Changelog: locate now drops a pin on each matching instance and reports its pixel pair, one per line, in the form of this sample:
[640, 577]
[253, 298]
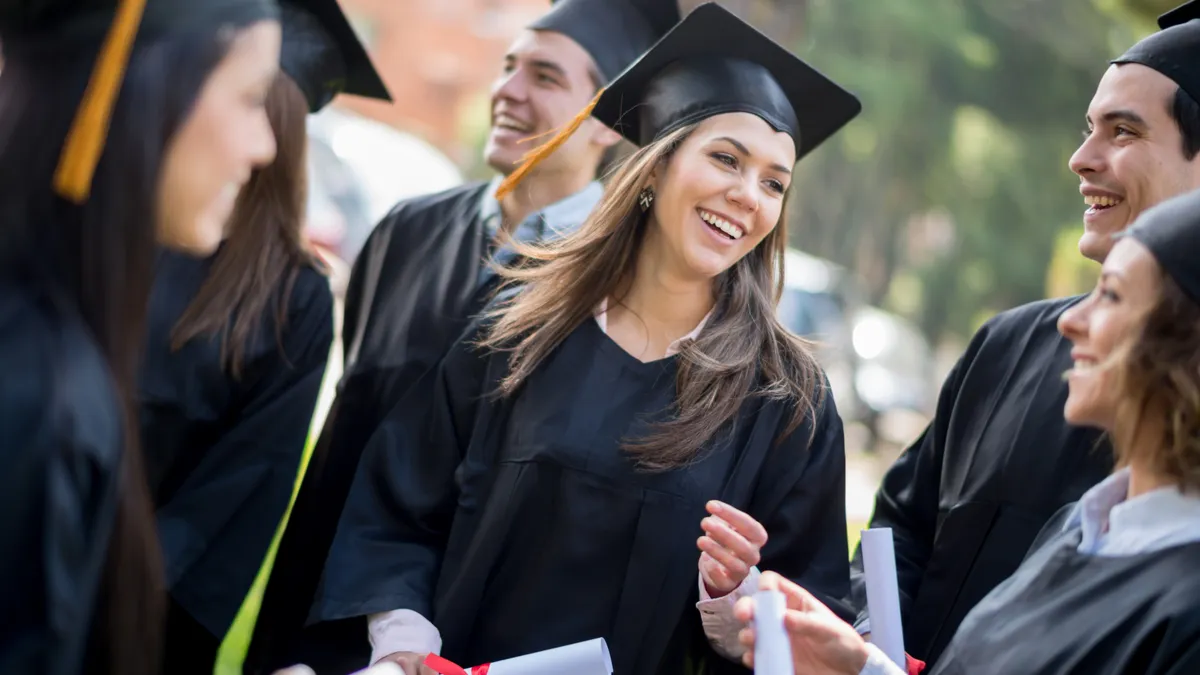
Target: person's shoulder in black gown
[62, 434]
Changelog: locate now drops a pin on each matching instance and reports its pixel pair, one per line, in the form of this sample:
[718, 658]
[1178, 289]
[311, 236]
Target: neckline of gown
[604, 342]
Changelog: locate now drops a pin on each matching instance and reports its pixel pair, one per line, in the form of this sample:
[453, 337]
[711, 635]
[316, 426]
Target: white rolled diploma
[772, 649]
[581, 658]
[883, 593]
[385, 668]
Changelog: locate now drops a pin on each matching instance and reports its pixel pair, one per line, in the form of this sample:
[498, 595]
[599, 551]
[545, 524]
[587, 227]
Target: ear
[602, 136]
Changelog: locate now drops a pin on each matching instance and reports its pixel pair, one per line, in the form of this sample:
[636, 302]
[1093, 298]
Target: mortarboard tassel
[85, 140]
[535, 156]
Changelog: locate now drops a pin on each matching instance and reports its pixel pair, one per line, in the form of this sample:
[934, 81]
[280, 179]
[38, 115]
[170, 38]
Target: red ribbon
[448, 667]
[914, 666]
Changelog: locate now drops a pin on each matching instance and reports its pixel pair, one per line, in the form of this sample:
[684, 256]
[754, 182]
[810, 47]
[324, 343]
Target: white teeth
[723, 225]
[1101, 202]
[1084, 364]
[506, 122]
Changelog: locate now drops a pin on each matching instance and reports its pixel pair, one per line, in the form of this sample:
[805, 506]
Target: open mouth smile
[731, 230]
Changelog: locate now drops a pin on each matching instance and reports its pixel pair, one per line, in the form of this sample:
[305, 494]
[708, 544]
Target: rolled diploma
[772, 649]
[883, 594]
[385, 668]
[581, 658]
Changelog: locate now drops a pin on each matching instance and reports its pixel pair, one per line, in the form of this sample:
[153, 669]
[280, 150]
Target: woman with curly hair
[1112, 587]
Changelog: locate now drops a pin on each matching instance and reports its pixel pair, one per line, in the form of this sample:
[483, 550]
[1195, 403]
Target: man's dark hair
[1186, 112]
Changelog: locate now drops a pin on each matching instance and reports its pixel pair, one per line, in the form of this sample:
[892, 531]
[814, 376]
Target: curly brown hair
[1160, 375]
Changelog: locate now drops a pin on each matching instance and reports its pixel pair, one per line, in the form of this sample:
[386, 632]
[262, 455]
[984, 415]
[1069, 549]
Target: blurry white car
[895, 363]
[819, 297]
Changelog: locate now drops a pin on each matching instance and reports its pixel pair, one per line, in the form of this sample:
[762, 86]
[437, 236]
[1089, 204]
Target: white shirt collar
[1113, 525]
[601, 315]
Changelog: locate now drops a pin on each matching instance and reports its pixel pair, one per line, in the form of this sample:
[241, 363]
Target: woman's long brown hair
[743, 350]
[265, 249]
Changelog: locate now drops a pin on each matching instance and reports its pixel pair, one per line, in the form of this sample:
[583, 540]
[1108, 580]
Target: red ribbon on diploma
[915, 666]
[448, 667]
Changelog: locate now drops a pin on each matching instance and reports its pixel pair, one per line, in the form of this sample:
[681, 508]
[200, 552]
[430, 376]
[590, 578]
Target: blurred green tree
[949, 194]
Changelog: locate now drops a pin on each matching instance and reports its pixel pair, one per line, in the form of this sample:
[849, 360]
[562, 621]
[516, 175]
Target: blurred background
[948, 200]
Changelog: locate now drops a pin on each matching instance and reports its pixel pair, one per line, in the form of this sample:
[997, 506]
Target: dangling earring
[646, 198]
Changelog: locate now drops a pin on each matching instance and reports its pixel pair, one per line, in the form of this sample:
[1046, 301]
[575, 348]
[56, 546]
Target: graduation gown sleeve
[58, 491]
[800, 498]
[804, 509]
[402, 314]
[391, 538]
[1179, 651]
[908, 499]
[216, 527]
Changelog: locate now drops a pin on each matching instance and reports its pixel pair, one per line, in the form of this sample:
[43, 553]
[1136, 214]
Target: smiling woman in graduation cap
[236, 349]
[638, 383]
[109, 112]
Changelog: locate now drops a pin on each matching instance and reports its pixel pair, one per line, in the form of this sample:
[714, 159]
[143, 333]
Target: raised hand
[731, 545]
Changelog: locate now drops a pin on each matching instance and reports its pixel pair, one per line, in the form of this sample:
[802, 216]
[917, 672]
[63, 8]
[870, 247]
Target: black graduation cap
[1173, 51]
[113, 25]
[714, 63]
[323, 55]
[614, 32]
[1181, 14]
[1171, 230]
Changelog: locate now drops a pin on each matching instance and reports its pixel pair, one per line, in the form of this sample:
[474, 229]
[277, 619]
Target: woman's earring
[646, 198]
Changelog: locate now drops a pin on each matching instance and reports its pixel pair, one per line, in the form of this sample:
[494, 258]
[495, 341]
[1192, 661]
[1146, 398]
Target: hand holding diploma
[821, 643]
[410, 662]
[731, 545]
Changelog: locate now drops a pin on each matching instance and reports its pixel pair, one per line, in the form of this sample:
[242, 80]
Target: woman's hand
[730, 546]
[822, 644]
[410, 662]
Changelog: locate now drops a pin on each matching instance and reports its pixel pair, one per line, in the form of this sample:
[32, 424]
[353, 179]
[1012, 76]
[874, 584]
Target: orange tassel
[85, 140]
[535, 156]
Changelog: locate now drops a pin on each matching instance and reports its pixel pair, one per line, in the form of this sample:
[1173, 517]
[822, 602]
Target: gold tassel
[85, 140]
[535, 156]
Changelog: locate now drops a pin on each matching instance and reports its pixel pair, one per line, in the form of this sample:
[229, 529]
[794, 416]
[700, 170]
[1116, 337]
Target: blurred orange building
[438, 58]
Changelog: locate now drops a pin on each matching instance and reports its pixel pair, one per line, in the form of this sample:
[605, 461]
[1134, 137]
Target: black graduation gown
[517, 525]
[967, 499]
[62, 435]
[1066, 613]
[222, 454]
[411, 293]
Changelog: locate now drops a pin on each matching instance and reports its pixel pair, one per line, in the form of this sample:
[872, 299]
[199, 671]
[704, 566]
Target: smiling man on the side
[966, 500]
